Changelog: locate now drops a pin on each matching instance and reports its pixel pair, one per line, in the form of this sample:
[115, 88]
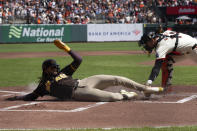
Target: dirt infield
[176, 108]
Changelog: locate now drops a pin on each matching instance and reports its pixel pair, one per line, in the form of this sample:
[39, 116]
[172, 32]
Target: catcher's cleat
[128, 95]
[167, 89]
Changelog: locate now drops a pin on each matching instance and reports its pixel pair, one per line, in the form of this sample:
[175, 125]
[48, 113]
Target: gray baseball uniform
[92, 88]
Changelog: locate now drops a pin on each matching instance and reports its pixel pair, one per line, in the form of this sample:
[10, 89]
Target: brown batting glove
[62, 45]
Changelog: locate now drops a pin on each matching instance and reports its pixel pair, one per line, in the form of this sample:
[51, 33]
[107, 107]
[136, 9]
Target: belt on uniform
[74, 88]
[194, 46]
[76, 85]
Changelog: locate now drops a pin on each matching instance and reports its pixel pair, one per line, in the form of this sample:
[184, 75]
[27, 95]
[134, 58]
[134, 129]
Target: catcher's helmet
[50, 63]
[144, 39]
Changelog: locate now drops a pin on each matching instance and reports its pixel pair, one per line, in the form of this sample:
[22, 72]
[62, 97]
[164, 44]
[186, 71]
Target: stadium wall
[42, 33]
[24, 33]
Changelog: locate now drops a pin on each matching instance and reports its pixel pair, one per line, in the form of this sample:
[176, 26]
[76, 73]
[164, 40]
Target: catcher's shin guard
[167, 71]
[165, 74]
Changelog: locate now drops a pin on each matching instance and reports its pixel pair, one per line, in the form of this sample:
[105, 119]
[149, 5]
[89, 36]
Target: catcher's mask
[146, 38]
[50, 63]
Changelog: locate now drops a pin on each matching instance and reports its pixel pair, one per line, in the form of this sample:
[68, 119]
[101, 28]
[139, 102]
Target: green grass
[109, 46]
[26, 70]
[23, 71]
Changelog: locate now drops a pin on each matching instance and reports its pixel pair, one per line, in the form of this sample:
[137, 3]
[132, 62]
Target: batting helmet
[50, 63]
[144, 39]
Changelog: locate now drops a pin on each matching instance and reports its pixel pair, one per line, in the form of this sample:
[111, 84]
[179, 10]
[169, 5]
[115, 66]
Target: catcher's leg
[167, 69]
[193, 54]
[165, 73]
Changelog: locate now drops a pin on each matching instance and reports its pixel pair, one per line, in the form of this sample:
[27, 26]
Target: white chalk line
[187, 99]
[184, 100]
[12, 92]
[11, 108]
[33, 103]
[7, 95]
[22, 105]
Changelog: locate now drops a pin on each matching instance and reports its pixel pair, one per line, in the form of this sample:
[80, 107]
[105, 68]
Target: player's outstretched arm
[77, 59]
[61, 45]
[28, 97]
[155, 71]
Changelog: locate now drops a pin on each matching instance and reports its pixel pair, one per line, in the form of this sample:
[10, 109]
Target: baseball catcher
[60, 84]
[170, 47]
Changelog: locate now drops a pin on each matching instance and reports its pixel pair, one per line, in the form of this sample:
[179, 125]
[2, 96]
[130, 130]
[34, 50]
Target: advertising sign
[114, 32]
[33, 33]
[182, 10]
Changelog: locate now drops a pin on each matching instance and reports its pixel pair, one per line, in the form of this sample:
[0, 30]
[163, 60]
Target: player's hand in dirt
[15, 98]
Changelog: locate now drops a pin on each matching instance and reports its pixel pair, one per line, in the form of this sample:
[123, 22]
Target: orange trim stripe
[72, 67]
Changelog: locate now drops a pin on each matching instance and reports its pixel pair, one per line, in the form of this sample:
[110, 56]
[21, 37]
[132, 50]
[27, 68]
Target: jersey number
[61, 76]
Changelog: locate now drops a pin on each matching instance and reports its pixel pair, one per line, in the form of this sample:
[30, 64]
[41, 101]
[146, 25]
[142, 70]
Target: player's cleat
[128, 95]
[152, 90]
